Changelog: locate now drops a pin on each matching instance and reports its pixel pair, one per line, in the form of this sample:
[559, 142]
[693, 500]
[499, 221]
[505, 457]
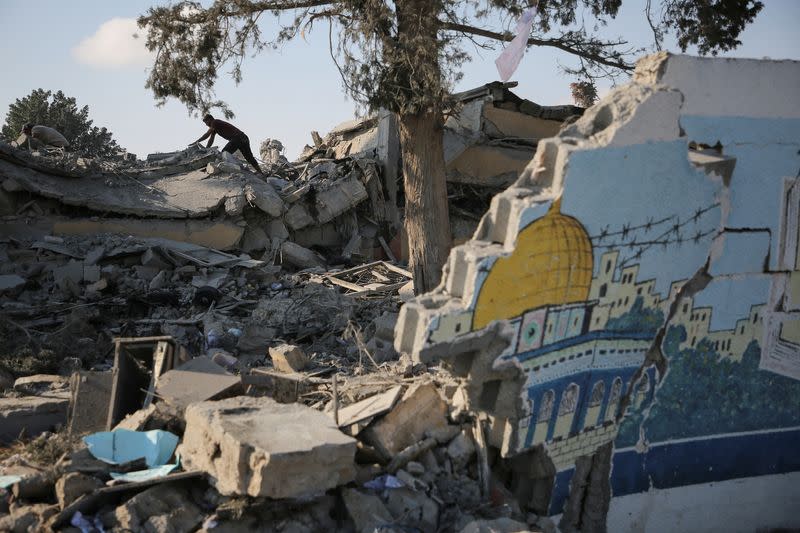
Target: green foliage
[61, 112]
[637, 319]
[711, 25]
[705, 394]
[406, 55]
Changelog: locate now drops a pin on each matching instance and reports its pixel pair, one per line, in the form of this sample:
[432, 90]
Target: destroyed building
[613, 346]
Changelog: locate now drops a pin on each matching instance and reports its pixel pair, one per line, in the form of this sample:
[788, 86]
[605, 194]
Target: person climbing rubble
[237, 140]
[40, 137]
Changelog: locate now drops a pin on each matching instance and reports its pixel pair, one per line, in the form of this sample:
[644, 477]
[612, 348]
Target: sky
[86, 49]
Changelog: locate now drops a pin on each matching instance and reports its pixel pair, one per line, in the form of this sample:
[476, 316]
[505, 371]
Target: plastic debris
[386, 481]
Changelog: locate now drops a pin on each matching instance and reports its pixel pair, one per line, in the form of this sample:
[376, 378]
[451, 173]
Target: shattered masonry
[246, 323]
[631, 291]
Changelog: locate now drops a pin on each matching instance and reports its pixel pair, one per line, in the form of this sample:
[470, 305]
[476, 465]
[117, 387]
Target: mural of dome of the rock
[648, 288]
[551, 264]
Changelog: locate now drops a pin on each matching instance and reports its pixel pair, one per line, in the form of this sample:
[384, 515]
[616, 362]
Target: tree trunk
[417, 74]
[426, 219]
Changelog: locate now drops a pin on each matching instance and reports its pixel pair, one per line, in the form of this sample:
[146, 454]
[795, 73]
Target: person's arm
[211, 133]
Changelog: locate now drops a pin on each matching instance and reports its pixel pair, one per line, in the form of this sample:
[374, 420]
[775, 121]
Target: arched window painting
[546, 409]
[598, 392]
[595, 401]
[569, 400]
[613, 399]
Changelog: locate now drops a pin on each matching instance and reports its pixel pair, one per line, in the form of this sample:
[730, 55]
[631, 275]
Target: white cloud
[113, 45]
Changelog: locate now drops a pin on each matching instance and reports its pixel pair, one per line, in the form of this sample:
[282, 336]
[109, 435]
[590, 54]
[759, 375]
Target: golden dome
[551, 265]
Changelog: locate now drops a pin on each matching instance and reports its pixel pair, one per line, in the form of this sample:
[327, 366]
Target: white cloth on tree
[509, 60]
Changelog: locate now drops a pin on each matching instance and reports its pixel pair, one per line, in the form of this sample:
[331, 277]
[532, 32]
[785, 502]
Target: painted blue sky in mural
[669, 230]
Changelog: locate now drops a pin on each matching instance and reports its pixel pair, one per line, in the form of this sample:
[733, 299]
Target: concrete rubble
[253, 318]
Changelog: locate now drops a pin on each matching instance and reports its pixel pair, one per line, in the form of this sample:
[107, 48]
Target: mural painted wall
[648, 267]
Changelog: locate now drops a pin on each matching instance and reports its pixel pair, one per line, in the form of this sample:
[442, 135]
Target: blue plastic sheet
[123, 445]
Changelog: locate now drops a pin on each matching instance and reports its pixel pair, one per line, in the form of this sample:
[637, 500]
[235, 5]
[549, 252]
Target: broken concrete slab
[32, 415]
[190, 195]
[413, 508]
[366, 510]
[218, 234]
[295, 255]
[255, 239]
[258, 447]
[298, 217]
[341, 196]
[264, 196]
[288, 358]
[73, 485]
[39, 382]
[421, 409]
[194, 381]
[160, 508]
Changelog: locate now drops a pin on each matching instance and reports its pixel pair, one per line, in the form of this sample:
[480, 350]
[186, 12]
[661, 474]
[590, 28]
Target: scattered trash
[386, 481]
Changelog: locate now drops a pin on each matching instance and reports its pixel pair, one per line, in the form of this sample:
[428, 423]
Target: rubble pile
[189, 346]
[392, 450]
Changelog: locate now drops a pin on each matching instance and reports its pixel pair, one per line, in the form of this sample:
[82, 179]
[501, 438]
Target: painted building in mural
[630, 246]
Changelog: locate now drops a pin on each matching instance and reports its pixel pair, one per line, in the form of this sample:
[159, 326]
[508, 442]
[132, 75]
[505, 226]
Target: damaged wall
[647, 288]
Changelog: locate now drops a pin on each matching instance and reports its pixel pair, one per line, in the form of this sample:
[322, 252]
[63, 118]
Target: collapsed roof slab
[190, 195]
[217, 234]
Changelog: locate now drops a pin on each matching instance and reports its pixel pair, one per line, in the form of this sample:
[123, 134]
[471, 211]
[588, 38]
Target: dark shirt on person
[226, 130]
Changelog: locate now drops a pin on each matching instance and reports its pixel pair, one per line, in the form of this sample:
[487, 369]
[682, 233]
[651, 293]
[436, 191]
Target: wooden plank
[386, 249]
[380, 276]
[346, 284]
[372, 406]
[395, 268]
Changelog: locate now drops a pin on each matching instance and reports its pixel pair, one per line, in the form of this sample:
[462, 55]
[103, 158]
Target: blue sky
[284, 94]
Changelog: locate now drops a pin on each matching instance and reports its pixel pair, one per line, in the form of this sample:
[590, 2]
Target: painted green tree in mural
[704, 393]
[638, 319]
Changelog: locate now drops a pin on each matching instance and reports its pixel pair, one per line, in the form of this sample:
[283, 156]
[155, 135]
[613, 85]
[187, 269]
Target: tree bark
[418, 76]
[426, 218]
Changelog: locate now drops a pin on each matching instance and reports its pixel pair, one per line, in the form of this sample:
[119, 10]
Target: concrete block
[160, 508]
[265, 197]
[234, 205]
[298, 217]
[255, 239]
[414, 509]
[288, 358]
[258, 447]
[38, 383]
[295, 255]
[194, 381]
[461, 449]
[74, 485]
[342, 196]
[366, 510]
[89, 400]
[420, 409]
[31, 415]
[276, 231]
